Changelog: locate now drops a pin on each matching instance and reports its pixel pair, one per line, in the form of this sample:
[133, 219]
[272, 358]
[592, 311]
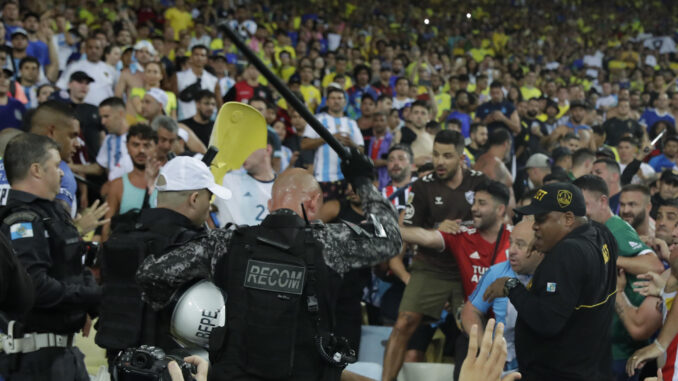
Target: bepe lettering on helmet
[199, 310]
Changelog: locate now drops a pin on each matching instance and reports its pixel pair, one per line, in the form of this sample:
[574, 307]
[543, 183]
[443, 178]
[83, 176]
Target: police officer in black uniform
[16, 288]
[565, 313]
[126, 321]
[39, 345]
[278, 277]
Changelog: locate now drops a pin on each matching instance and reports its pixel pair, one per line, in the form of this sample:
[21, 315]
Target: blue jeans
[619, 370]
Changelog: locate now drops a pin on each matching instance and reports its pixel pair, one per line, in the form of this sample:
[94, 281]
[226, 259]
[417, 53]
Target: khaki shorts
[429, 289]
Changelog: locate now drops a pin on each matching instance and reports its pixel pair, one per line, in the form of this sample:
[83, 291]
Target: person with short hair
[522, 262]
[201, 123]
[130, 190]
[326, 165]
[193, 79]
[29, 80]
[11, 110]
[415, 134]
[564, 316]
[478, 139]
[666, 159]
[439, 199]
[634, 258]
[609, 170]
[103, 75]
[498, 112]
[49, 246]
[667, 190]
[635, 207]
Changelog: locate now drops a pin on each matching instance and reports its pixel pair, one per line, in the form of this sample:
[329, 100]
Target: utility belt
[31, 342]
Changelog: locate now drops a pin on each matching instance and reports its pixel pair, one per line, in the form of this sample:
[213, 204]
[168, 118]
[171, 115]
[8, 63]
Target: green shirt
[630, 245]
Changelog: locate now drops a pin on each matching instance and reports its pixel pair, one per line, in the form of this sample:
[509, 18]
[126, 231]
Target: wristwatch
[510, 284]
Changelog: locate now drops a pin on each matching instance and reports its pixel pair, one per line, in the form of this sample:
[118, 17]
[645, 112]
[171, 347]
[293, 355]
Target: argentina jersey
[4, 184]
[249, 203]
[326, 166]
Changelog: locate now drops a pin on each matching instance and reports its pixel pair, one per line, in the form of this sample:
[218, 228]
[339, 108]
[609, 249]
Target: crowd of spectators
[540, 92]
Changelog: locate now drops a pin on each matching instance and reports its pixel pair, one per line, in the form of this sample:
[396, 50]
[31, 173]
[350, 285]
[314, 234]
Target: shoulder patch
[21, 230]
[24, 215]
[355, 228]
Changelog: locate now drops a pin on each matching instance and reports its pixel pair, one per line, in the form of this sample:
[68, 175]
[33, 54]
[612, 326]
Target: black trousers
[48, 364]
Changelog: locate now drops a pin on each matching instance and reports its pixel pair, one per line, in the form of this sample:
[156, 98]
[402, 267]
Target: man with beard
[399, 164]
[474, 249]
[635, 258]
[479, 136]
[462, 112]
[439, 199]
[667, 221]
[129, 191]
[634, 208]
[201, 123]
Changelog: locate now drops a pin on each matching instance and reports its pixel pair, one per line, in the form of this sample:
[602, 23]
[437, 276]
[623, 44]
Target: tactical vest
[125, 320]
[66, 251]
[279, 301]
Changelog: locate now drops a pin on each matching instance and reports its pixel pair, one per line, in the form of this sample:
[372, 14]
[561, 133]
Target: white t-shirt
[103, 75]
[326, 164]
[645, 167]
[248, 204]
[398, 104]
[114, 157]
[186, 78]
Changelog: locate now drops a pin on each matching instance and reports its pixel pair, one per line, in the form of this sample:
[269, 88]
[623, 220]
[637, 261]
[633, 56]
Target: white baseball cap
[188, 173]
[144, 44]
[159, 95]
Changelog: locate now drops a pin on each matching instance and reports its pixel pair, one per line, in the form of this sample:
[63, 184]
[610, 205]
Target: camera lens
[140, 360]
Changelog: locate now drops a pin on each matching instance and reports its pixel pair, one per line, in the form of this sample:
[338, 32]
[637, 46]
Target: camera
[148, 363]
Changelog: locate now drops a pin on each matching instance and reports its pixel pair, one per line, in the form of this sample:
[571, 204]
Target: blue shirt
[650, 117]
[40, 51]
[465, 120]
[4, 184]
[69, 188]
[488, 108]
[661, 162]
[12, 114]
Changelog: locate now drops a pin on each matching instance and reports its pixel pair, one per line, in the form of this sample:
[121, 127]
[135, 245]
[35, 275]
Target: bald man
[521, 264]
[278, 277]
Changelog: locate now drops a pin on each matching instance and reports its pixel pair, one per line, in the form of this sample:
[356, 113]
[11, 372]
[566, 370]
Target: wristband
[661, 348]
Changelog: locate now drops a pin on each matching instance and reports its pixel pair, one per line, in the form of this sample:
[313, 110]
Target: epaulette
[22, 215]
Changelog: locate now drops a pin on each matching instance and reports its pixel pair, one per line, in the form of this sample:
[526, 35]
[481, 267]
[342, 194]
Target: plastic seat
[366, 369]
[418, 371]
[373, 341]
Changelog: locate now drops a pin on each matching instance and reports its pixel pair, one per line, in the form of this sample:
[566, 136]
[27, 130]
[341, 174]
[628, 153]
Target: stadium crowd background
[573, 82]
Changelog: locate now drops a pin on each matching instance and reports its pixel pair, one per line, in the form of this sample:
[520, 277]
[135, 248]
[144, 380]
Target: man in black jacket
[565, 312]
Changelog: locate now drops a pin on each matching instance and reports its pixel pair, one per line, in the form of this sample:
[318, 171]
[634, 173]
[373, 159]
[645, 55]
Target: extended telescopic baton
[291, 99]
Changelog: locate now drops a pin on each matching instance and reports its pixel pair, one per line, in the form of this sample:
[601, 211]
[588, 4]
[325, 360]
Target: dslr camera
[148, 363]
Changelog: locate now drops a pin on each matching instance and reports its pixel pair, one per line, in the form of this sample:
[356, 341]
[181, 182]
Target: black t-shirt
[202, 130]
[434, 202]
[407, 136]
[563, 326]
[90, 127]
[615, 128]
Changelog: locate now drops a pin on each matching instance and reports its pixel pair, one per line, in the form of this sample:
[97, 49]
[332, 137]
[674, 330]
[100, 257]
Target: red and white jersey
[402, 199]
[474, 254]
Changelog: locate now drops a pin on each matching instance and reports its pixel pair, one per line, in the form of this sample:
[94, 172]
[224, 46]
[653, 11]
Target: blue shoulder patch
[21, 230]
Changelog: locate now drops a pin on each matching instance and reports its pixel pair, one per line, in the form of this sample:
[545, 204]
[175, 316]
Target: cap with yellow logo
[556, 197]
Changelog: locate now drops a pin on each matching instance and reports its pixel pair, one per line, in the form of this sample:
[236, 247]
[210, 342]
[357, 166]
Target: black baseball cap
[81, 76]
[556, 197]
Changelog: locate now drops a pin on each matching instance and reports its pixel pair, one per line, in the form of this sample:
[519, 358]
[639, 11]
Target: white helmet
[199, 310]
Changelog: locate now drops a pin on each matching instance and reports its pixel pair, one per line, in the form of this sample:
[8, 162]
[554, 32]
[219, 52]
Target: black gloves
[357, 168]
